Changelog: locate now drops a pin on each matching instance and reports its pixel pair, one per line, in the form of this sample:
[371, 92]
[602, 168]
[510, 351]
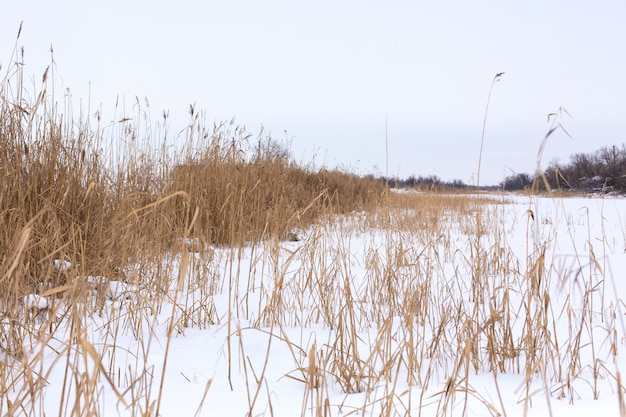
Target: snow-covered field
[509, 309]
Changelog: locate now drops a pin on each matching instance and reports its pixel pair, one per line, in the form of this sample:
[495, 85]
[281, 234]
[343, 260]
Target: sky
[397, 87]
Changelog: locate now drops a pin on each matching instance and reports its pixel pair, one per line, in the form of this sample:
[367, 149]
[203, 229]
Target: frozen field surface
[509, 308]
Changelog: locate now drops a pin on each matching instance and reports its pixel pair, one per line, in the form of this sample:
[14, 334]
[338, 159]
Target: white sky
[331, 72]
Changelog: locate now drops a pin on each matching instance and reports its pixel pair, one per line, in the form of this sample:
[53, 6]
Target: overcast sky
[332, 74]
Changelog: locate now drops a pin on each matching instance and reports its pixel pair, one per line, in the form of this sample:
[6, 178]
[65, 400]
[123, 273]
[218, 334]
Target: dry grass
[112, 243]
[79, 222]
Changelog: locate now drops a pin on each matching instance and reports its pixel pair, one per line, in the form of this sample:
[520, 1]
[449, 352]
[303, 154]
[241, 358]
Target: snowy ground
[355, 319]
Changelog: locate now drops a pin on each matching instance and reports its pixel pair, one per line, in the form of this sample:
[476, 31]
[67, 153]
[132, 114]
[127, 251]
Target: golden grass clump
[77, 194]
[246, 193]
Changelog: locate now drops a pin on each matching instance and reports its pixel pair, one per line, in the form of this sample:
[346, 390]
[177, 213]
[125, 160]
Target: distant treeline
[431, 182]
[601, 171]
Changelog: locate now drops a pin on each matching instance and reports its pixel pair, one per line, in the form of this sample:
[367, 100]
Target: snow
[35, 302]
[251, 326]
[117, 289]
[62, 265]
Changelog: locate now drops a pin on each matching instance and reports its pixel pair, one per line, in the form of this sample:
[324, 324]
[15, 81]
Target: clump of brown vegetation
[65, 197]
